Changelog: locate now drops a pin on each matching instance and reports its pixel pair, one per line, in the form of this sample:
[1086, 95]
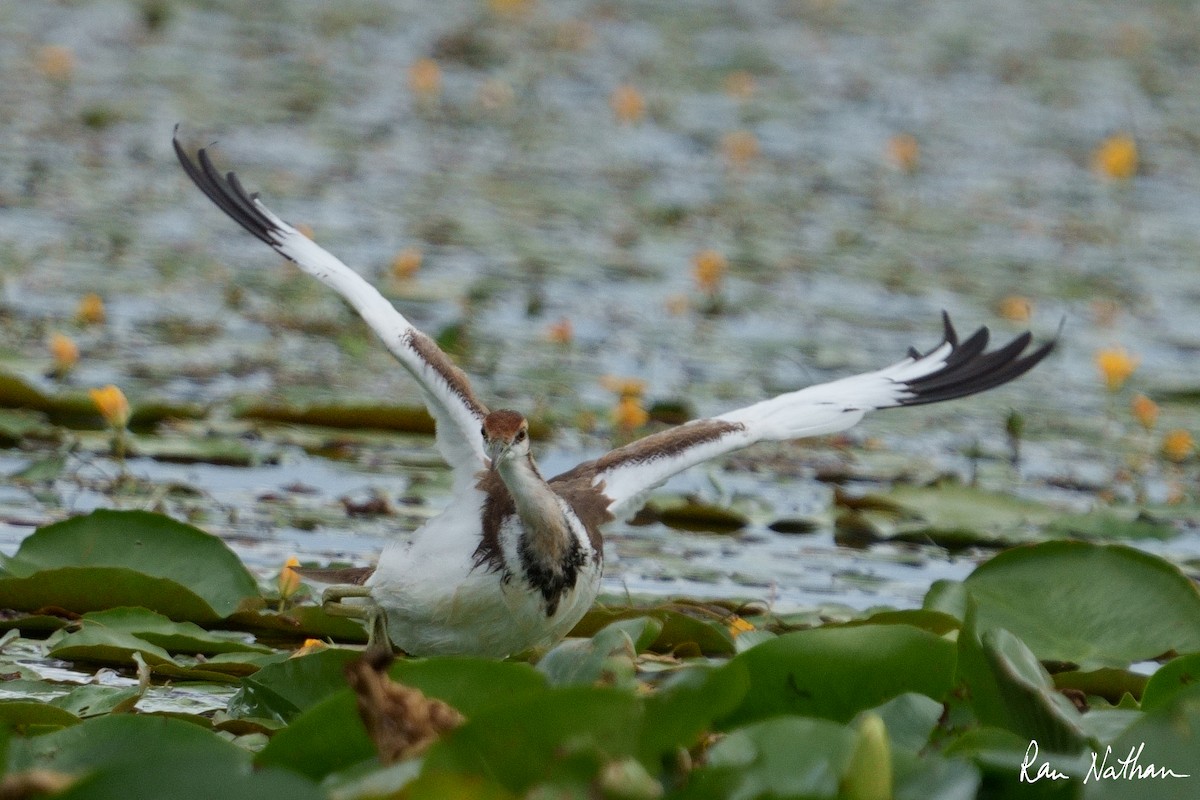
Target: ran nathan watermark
[1103, 768]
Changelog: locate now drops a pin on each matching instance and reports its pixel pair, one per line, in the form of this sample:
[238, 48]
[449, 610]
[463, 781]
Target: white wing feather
[947, 371]
[448, 396]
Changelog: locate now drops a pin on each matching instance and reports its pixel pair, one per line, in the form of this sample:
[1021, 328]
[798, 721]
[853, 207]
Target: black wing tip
[969, 370]
[226, 192]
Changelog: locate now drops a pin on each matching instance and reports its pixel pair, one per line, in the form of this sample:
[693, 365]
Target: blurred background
[615, 215]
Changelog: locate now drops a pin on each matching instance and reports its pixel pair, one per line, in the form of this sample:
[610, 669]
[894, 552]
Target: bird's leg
[379, 647]
[331, 601]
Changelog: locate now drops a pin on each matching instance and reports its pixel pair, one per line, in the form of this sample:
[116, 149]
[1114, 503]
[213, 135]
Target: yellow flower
[1144, 410]
[627, 104]
[1178, 444]
[1116, 365]
[113, 406]
[708, 267]
[309, 646]
[90, 310]
[738, 626]
[1116, 157]
[739, 148]
[561, 332]
[289, 579]
[629, 414]
[65, 353]
[624, 387]
[425, 78]
[56, 62]
[406, 263]
[904, 151]
[1016, 308]
[740, 85]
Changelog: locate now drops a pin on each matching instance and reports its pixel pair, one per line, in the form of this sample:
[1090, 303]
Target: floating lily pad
[690, 515]
[161, 757]
[609, 656]
[108, 559]
[1171, 678]
[835, 672]
[687, 628]
[407, 419]
[1092, 605]
[29, 717]
[785, 757]
[281, 691]
[1110, 525]
[328, 737]
[1010, 689]
[563, 734]
[175, 637]
[300, 622]
[953, 516]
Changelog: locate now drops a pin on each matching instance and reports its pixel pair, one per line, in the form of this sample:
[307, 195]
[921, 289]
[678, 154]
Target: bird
[515, 560]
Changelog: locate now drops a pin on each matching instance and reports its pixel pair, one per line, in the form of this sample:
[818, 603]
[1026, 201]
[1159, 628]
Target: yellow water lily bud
[739, 148]
[627, 104]
[1116, 365]
[425, 79]
[904, 151]
[406, 263]
[113, 406]
[1144, 410]
[1116, 157]
[1178, 444]
[629, 414]
[289, 579]
[708, 267]
[90, 310]
[64, 351]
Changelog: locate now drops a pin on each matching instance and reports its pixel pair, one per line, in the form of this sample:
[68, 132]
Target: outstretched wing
[448, 396]
[952, 369]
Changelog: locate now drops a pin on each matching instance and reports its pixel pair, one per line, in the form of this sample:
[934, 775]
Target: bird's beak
[494, 451]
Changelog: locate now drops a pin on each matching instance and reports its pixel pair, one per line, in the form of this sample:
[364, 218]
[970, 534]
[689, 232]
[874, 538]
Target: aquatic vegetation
[1116, 365]
[904, 152]
[1116, 157]
[682, 700]
[628, 105]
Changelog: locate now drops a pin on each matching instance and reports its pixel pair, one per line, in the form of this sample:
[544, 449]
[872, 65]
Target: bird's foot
[331, 601]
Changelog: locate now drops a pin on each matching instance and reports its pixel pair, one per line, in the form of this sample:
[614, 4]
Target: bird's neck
[548, 538]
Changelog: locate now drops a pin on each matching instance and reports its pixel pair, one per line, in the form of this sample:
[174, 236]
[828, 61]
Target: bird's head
[505, 436]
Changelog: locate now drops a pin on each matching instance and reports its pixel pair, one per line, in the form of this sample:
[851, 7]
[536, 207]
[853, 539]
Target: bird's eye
[521, 435]
[483, 432]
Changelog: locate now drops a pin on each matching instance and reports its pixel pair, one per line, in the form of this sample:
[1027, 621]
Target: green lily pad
[687, 628]
[564, 735]
[1092, 605]
[300, 622]
[407, 419]
[609, 657]
[835, 672]
[327, 737]
[108, 559]
[1108, 525]
[29, 717]
[954, 516]
[161, 757]
[175, 637]
[91, 700]
[687, 704]
[686, 514]
[1166, 738]
[785, 757]
[1171, 678]
[281, 691]
[1107, 682]
[1010, 689]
